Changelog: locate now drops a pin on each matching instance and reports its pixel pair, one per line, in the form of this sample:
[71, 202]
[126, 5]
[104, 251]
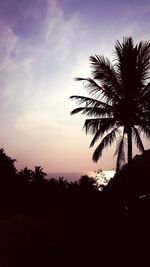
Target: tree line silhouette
[89, 221]
[31, 187]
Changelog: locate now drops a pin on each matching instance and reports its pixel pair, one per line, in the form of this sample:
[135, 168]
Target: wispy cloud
[32, 66]
[36, 75]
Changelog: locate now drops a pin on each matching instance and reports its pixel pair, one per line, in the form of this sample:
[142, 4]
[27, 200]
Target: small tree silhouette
[26, 174]
[38, 174]
[87, 183]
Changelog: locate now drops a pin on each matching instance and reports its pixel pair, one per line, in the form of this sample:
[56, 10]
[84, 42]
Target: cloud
[36, 79]
[24, 17]
[31, 66]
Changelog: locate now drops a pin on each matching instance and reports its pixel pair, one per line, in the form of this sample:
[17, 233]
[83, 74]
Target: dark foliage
[133, 181]
[60, 223]
[7, 168]
[30, 189]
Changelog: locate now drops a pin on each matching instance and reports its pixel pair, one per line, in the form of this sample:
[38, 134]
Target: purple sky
[44, 45]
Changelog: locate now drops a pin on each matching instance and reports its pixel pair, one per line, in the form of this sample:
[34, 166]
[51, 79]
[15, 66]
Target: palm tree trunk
[129, 134]
[129, 138]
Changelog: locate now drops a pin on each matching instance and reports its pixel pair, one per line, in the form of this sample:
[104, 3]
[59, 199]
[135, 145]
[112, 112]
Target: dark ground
[75, 236]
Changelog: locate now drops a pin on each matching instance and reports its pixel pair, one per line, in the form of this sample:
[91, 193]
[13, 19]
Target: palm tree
[26, 174]
[39, 175]
[119, 99]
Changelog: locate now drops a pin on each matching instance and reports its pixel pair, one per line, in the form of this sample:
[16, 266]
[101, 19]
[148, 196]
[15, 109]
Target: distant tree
[59, 185]
[38, 174]
[120, 109]
[7, 167]
[26, 174]
[52, 182]
[62, 183]
[87, 183]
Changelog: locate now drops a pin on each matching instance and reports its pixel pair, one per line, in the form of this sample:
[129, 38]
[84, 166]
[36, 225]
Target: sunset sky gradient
[44, 44]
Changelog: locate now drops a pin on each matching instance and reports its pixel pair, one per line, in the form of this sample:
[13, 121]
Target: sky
[44, 44]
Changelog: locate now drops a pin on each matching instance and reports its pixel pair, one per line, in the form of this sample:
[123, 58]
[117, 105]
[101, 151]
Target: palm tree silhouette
[119, 99]
[39, 175]
[26, 174]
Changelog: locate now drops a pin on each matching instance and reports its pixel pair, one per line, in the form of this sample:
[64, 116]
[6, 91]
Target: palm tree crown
[119, 99]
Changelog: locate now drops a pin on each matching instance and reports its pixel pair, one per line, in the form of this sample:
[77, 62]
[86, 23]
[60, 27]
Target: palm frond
[145, 94]
[143, 60]
[92, 125]
[123, 48]
[105, 73]
[138, 140]
[107, 140]
[121, 53]
[126, 66]
[92, 86]
[145, 128]
[105, 126]
[119, 152]
[93, 111]
[103, 91]
[90, 101]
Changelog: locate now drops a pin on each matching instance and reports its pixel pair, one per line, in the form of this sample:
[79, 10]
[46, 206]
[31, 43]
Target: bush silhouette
[132, 182]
